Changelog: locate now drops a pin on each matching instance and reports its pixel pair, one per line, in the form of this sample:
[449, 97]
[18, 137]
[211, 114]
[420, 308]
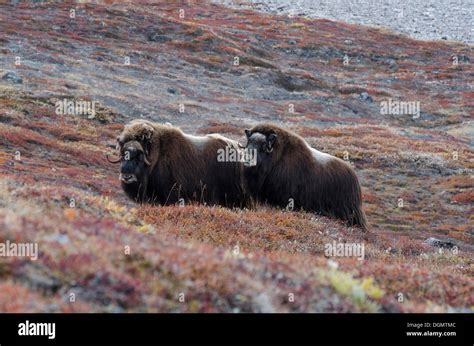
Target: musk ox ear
[147, 135]
[119, 144]
[270, 141]
[248, 133]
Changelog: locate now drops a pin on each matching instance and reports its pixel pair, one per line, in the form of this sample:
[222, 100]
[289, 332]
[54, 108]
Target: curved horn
[145, 159]
[240, 145]
[111, 161]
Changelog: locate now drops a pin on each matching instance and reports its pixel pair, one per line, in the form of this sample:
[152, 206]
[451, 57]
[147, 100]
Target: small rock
[60, 238]
[264, 303]
[115, 309]
[447, 244]
[291, 42]
[364, 96]
[52, 308]
[39, 278]
[171, 90]
[157, 36]
[13, 77]
[333, 264]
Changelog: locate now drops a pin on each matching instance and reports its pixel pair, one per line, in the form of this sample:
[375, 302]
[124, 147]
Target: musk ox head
[133, 163]
[262, 144]
[134, 145]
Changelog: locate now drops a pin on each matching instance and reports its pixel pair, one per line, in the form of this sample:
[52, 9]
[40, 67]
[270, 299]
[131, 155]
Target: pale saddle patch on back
[198, 141]
[229, 141]
[321, 157]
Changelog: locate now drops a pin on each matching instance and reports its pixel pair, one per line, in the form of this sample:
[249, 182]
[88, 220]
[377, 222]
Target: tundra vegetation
[211, 69]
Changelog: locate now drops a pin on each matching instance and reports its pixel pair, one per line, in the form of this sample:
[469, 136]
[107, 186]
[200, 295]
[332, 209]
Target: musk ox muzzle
[131, 156]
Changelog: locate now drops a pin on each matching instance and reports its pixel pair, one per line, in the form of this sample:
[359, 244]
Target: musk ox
[160, 164]
[288, 172]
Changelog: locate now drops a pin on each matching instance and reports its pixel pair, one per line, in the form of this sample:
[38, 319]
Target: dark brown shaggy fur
[180, 166]
[286, 168]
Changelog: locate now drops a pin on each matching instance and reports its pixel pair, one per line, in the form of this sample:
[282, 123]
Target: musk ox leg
[360, 219]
